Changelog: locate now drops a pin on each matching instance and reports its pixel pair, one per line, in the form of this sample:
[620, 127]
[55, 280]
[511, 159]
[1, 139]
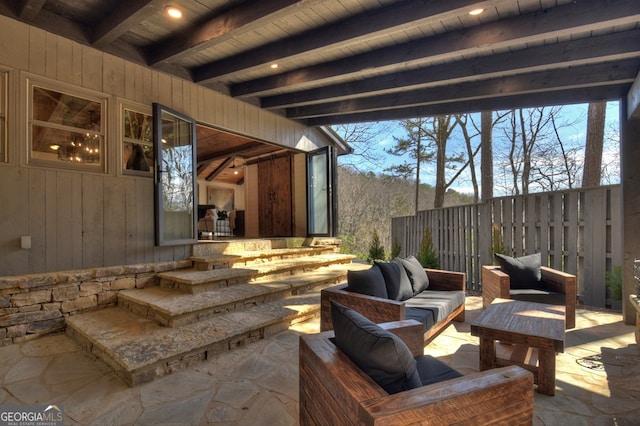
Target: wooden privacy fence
[577, 231]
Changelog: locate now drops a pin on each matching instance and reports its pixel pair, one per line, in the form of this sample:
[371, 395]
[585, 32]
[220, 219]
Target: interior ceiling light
[173, 12]
[274, 66]
[476, 12]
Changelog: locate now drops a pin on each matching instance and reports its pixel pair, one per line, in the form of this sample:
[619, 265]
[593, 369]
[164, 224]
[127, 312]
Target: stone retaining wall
[37, 304]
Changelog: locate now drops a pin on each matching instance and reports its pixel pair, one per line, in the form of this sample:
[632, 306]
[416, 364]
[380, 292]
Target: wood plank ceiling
[345, 61]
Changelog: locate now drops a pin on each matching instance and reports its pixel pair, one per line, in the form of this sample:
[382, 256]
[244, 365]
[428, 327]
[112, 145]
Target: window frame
[73, 91]
[122, 139]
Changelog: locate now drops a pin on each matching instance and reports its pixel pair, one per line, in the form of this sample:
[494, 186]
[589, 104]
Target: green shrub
[613, 280]
[497, 243]
[376, 250]
[395, 248]
[427, 255]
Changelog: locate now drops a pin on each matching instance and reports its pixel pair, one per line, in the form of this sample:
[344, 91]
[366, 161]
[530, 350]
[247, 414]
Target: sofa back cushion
[370, 282]
[524, 272]
[396, 280]
[382, 355]
[416, 273]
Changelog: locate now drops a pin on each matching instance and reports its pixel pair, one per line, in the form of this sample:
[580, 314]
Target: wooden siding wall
[578, 231]
[85, 219]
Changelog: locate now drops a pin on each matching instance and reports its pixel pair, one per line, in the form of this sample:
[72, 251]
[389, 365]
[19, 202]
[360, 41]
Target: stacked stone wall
[37, 304]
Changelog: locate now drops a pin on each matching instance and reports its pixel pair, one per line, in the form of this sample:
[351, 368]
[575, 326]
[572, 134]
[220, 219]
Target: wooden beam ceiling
[363, 60]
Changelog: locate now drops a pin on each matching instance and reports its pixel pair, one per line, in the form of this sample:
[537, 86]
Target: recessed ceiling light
[274, 66]
[476, 12]
[173, 12]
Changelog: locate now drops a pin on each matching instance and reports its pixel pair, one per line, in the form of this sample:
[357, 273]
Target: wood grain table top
[524, 322]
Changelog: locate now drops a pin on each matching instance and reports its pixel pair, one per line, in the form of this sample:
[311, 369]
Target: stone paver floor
[598, 379]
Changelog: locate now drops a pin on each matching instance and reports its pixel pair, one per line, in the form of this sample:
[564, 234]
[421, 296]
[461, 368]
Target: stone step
[140, 350]
[209, 262]
[196, 281]
[174, 309]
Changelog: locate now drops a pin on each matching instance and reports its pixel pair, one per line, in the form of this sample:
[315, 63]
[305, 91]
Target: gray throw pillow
[416, 273]
[382, 355]
[370, 282]
[524, 272]
[396, 280]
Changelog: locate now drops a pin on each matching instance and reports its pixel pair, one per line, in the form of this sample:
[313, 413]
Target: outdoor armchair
[556, 287]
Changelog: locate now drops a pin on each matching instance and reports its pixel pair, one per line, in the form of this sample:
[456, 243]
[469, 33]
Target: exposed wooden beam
[219, 169]
[610, 47]
[544, 81]
[562, 21]
[126, 14]
[254, 13]
[563, 97]
[395, 17]
[30, 9]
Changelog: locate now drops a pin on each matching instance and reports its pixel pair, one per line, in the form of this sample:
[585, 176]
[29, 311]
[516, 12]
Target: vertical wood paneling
[14, 43]
[64, 69]
[36, 51]
[115, 233]
[37, 226]
[76, 64]
[91, 68]
[13, 222]
[92, 220]
[50, 230]
[60, 204]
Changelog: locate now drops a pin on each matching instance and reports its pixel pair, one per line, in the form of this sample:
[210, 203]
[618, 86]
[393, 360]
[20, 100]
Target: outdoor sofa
[351, 376]
[432, 297]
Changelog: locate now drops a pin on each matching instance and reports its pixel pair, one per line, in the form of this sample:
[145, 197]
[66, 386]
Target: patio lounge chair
[554, 287]
[334, 391]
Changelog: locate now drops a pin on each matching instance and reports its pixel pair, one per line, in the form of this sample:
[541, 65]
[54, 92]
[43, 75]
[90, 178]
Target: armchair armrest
[562, 282]
[446, 280]
[502, 395]
[377, 309]
[495, 284]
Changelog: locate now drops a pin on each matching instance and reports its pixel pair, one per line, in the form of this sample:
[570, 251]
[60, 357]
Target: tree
[427, 256]
[439, 131]
[426, 141]
[362, 137]
[592, 171]
[413, 144]
[486, 159]
[376, 249]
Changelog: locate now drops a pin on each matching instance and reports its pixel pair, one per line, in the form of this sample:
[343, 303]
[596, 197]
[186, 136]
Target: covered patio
[257, 384]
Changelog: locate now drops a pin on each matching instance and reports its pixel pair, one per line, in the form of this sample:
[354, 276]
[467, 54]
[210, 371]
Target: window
[137, 142]
[3, 116]
[66, 130]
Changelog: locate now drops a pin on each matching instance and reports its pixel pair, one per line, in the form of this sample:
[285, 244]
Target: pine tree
[376, 250]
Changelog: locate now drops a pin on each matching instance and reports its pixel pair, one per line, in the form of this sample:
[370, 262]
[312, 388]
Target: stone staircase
[235, 293]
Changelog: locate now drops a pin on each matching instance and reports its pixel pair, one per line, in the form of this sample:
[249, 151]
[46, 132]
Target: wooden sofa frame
[333, 391]
[496, 284]
[381, 310]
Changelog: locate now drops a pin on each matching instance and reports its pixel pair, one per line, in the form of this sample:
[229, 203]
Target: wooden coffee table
[529, 335]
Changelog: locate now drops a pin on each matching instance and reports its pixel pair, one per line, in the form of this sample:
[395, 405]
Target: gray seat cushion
[442, 303]
[538, 296]
[424, 315]
[432, 370]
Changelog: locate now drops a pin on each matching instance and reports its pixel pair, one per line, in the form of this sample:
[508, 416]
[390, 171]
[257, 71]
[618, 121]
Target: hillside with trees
[367, 201]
